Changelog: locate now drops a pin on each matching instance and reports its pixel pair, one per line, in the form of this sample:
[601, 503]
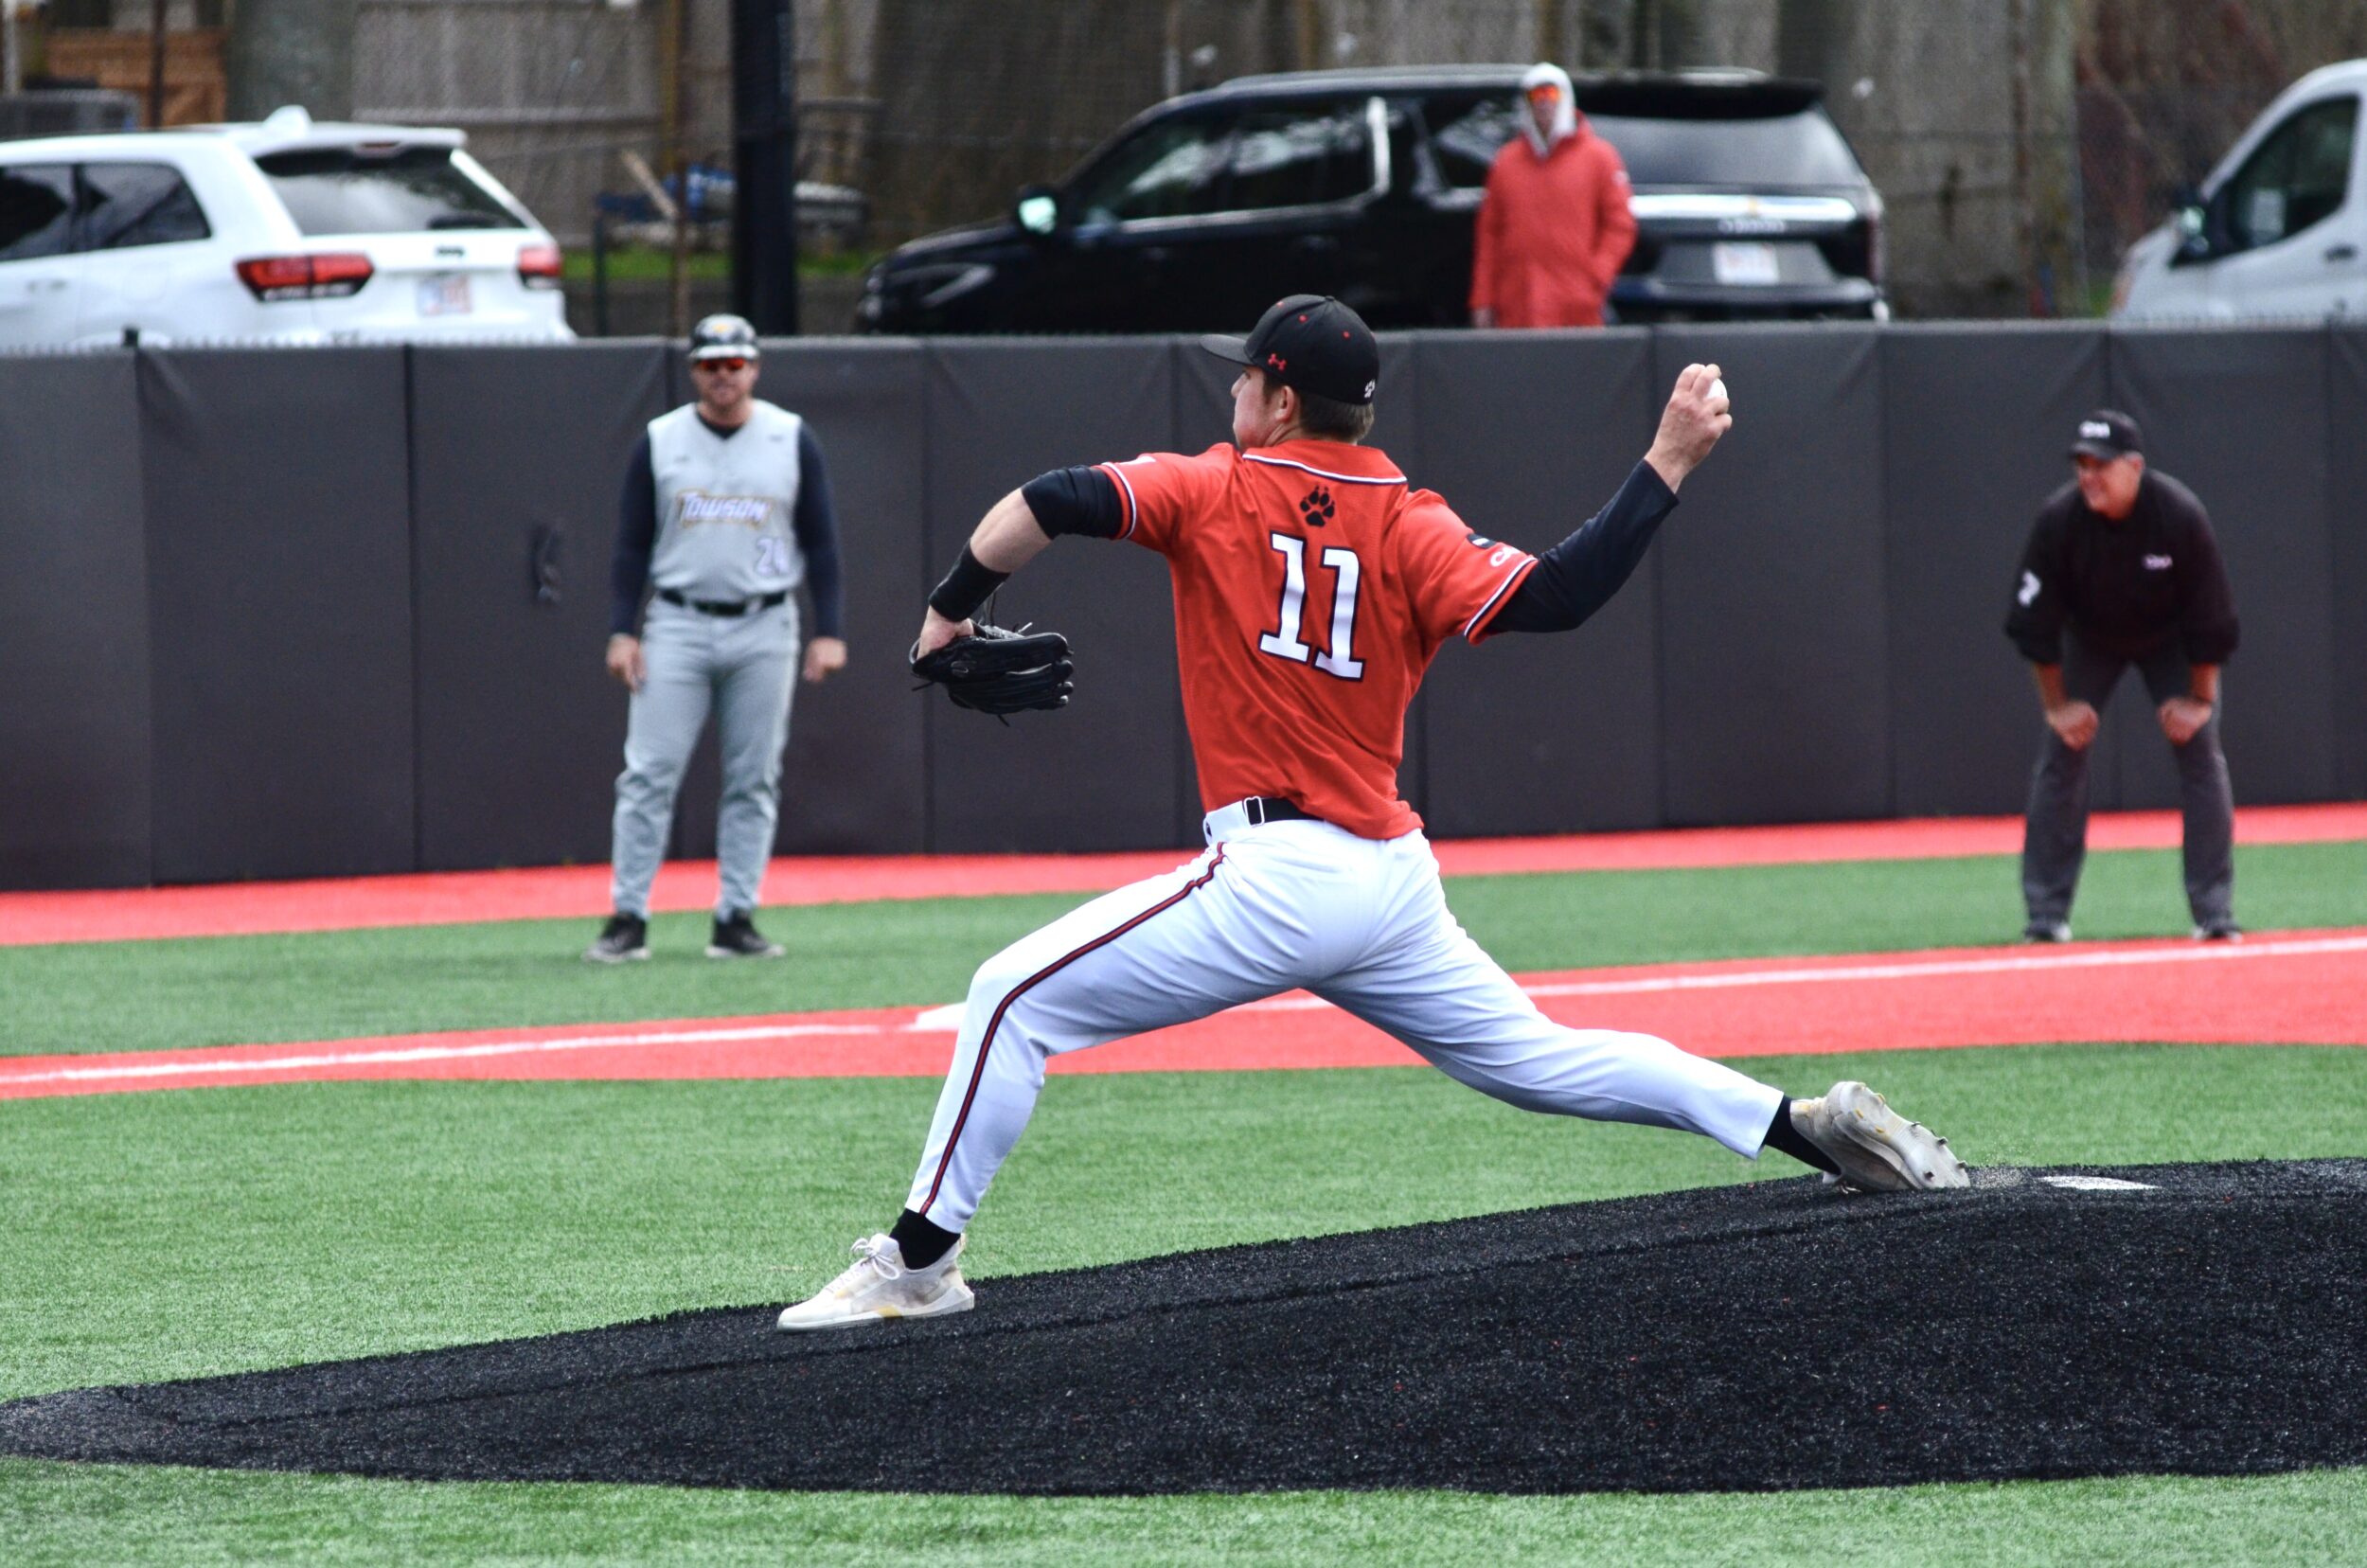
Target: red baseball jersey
[1313, 588]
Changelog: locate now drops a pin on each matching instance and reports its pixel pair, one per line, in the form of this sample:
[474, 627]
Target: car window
[352, 190]
[1749, 151]
[36, 211]
[2295, 179]
[1466, 133]
[1172, 169]
[1301, 156]
[134, 203]
[1773, 151]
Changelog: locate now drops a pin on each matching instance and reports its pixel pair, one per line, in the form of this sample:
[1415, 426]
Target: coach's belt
[1254, 812]
[723, 607]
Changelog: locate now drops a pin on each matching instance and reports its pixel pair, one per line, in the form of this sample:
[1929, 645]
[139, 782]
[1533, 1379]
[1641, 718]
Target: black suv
[1205, 210]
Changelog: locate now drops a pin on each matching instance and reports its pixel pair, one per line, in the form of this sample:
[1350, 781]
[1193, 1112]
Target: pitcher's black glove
[996, 671]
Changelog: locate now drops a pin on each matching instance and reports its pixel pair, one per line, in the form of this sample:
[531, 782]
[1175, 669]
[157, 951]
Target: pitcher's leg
[1164, 951]
[752, 724]
[1445, 997]
[661, 727]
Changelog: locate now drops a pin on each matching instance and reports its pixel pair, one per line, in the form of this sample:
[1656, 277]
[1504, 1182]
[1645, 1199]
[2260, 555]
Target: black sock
[1782, 1134]
[923, 1243]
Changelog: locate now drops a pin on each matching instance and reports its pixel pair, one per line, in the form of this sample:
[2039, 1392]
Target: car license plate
[1744, 262]
[444, 297]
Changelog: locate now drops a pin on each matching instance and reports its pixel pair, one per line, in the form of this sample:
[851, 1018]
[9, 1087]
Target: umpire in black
[2122, 569]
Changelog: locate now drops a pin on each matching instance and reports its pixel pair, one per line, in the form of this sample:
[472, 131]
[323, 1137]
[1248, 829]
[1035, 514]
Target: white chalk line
[944, 1020]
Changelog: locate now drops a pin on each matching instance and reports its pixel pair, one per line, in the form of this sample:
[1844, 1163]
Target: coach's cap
[1310, 342]
[2108, 433]
[722, 336]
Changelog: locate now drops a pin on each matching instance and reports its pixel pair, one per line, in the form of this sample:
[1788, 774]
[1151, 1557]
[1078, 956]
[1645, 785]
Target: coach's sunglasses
[718, 364]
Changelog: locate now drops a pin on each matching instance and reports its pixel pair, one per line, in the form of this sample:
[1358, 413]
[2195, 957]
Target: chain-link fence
[2020, 145]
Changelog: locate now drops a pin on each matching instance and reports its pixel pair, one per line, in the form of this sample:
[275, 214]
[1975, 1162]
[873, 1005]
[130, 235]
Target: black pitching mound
[2204, 1319]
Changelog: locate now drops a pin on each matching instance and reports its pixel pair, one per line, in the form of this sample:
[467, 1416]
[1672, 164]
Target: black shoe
[2047, 931]
[2219, 931]
[737, 936]
[624, 938]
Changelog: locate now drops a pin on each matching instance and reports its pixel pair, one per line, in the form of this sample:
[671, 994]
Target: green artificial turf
[179, 1234]
[189, 1232]
[160, 995]
[195, 1232]
[67, 1514]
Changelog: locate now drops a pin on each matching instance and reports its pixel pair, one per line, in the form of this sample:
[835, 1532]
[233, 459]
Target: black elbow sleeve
[1074, 501]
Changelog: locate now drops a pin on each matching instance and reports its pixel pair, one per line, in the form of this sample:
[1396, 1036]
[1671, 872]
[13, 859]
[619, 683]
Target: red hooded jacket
[1552, 231]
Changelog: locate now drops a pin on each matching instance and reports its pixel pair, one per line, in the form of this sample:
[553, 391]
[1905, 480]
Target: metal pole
[12, 63]
[764, 159]
[677, 77]
[156, 65]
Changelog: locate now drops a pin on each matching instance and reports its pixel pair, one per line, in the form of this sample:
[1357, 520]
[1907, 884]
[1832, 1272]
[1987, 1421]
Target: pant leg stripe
[986, 1042]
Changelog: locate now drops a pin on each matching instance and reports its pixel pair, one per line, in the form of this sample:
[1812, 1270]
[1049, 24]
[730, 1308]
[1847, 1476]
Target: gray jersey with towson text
[725, 505]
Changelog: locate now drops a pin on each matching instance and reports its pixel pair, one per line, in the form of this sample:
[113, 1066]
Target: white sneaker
[879, 1285]
[1877, 1150]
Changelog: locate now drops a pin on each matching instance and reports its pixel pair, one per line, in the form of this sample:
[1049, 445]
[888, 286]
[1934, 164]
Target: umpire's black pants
[2054, 837]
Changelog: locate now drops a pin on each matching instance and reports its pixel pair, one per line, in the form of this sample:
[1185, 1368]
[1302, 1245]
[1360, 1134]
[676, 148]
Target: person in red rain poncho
[1554, 226]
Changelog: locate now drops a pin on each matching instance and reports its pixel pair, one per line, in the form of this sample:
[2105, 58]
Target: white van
[283, 232]
[2280, 227]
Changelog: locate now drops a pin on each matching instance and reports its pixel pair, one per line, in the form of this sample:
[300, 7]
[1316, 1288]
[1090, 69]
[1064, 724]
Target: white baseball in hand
[1717, 387]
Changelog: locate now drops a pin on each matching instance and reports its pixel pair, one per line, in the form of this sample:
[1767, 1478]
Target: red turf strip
[451, 898]
[2295, 988]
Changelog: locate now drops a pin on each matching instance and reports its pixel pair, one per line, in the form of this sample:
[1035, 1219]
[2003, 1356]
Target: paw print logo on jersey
[1315, 507]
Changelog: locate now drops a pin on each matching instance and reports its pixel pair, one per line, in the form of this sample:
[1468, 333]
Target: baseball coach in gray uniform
[727, 510]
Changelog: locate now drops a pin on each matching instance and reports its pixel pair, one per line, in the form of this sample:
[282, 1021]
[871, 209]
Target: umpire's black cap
[2108, 433]
[1310, 342]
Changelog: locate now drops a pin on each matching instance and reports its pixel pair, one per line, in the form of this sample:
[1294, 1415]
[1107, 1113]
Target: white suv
[279, 232]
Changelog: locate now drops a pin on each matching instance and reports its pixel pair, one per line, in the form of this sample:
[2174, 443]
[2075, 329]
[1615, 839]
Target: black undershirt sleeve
[1075, 501]
[1578, 576]
[816, 528]
[636, 537]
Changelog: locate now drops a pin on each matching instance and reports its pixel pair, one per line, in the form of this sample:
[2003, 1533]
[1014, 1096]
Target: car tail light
[537, 266]
[332, 277]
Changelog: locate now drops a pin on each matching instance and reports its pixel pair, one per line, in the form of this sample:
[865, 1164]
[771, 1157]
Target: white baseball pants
[1361, 922]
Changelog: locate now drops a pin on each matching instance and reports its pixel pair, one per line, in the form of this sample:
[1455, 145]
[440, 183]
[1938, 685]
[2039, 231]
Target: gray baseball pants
[2055, 835]
[743, 667]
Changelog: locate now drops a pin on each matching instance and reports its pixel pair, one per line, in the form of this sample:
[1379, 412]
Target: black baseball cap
[2108, 433]
[723, 336]
[1310, 342]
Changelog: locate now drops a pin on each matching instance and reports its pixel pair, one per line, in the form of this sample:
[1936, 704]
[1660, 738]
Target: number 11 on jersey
[1284, 642]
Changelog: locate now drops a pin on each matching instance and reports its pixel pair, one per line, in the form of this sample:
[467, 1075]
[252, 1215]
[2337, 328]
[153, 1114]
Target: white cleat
[879, 1286]
[1877, 1150]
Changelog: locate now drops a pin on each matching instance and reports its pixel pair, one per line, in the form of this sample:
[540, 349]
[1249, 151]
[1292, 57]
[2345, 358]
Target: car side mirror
[1037, 211]
[2194, 227]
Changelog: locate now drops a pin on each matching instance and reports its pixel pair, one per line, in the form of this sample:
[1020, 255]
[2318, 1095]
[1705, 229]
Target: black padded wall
[854, 781]
[1975, 420]
[2240, 415]
[1526, 436]
[516, 458]
[74, 651]
[1100, 775]
[2346, 517]
[279, 584]
[1774, 633]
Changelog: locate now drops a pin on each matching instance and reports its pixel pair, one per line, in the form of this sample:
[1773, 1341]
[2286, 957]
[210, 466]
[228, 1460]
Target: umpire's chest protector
[725, 505]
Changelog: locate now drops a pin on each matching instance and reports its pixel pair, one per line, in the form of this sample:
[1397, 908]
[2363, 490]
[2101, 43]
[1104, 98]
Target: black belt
[723, 607]
[1261, 809]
